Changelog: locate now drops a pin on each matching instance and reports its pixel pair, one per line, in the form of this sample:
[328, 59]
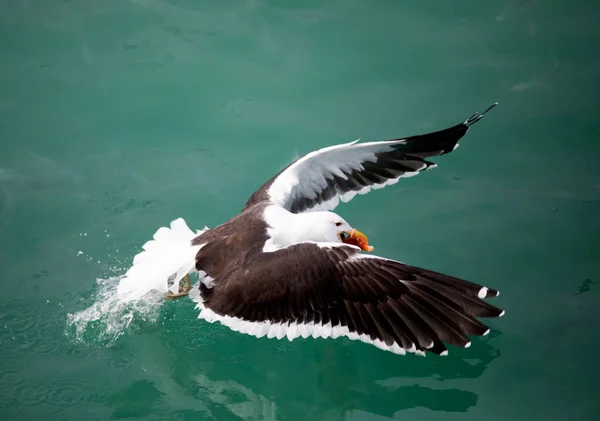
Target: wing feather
[320, 179]
[318, 290]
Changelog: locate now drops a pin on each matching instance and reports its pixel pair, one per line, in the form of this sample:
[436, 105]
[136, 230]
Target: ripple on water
[17, 321]
[30, 392]
[63, 393]
[121, 360]
[29, 329]
[78, 353]
[12, 368]
[67, 394]
[108, 318]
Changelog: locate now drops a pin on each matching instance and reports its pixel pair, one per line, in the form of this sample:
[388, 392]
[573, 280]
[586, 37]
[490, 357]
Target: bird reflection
[218, 374]
[384, 385]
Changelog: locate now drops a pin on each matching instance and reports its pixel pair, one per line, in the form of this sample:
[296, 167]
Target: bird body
[288, 266]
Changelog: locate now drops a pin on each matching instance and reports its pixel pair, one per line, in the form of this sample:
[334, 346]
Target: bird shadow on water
[386, 384]
[189, 368]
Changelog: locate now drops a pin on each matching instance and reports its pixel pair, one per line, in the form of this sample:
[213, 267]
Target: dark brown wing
[321, 291]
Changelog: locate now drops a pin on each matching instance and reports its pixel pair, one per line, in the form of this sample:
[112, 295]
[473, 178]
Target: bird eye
[338, 224]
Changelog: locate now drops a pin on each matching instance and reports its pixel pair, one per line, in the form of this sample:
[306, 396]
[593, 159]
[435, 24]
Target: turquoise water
[118, 116]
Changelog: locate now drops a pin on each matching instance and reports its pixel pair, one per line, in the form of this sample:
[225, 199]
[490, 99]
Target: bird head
[333, 228]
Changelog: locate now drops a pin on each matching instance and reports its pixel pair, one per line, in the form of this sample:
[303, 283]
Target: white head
[287, 229]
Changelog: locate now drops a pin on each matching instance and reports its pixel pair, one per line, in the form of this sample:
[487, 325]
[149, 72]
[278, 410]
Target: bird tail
[166, 259]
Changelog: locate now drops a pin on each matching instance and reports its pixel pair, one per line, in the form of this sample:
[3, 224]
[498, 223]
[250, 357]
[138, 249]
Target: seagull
[287, 266]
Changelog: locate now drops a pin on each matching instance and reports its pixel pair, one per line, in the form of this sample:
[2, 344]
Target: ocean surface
[118, 116]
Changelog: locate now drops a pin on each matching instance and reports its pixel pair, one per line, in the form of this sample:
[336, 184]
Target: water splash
[108, 318]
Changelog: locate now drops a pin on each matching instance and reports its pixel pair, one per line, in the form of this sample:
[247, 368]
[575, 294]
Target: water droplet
[109, 317]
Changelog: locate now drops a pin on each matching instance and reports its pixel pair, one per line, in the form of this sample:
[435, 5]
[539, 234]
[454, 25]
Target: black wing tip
[476, 116]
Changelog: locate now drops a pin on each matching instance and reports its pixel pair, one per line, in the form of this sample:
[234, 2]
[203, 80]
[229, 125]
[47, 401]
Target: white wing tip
[482, 292]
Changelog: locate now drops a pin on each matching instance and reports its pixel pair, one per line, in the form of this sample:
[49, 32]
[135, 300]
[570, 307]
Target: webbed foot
[183, 289]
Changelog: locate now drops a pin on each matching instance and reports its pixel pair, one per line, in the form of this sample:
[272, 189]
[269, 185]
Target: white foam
[109, 317]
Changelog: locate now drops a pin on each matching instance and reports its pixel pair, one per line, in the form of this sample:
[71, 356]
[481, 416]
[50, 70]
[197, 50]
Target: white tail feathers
[167, 258]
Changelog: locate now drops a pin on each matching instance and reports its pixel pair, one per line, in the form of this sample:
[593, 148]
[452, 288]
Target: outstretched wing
[320, 179]
[330, 290]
